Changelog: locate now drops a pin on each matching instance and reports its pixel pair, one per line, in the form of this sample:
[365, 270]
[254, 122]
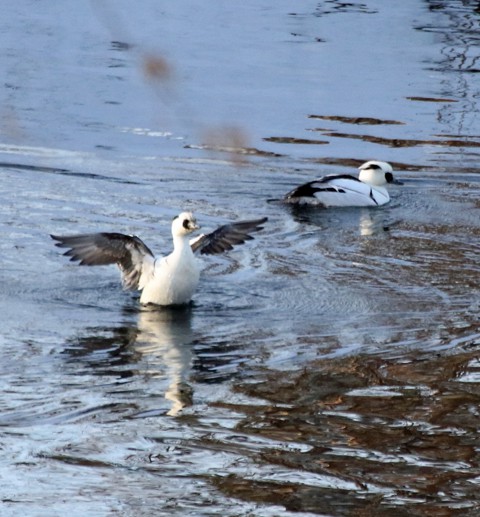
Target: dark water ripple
[399, 429]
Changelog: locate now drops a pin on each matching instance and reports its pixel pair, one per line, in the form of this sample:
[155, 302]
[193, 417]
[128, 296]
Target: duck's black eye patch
[388, 177]
[186, 224]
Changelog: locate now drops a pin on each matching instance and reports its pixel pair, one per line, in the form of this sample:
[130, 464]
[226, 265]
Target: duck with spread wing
[169, 280]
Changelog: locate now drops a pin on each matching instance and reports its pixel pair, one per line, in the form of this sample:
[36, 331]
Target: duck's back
[340, 190]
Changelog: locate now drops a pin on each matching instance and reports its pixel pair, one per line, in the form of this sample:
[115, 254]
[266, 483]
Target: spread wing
[131, 255]
[226, 237]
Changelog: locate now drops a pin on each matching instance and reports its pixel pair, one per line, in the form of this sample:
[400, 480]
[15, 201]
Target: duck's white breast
[174, 281]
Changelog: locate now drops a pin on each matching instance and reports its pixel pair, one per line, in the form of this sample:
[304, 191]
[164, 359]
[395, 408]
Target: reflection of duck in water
[164, 338]
[342, 190]
[372, 223]
[158, 348]
[333, 223]
[170, 280]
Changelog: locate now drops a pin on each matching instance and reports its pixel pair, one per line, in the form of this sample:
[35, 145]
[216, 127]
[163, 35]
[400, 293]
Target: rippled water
[330, 366]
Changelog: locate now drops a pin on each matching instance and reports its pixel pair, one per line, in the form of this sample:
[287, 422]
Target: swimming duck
[170, 280]
[346, 190]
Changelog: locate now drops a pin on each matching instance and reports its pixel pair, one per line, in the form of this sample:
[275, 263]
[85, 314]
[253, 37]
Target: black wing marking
[130, 253]
[226, 237]
[319, 185]
[331, 177]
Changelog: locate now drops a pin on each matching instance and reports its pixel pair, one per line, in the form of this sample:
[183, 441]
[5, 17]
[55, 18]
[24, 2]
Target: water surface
[330, 366]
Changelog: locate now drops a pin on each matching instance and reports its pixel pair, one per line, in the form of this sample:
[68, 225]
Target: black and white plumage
[343, 190]
[170, 280]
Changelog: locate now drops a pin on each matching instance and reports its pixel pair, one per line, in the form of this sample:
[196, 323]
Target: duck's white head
[184, 224]
[376, 173]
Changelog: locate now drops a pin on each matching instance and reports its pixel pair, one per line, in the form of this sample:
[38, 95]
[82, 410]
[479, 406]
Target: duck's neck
[181, 244]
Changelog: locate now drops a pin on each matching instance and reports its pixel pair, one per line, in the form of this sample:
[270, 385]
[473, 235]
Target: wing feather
[225, 237]
[329, 183]
[130, 253]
